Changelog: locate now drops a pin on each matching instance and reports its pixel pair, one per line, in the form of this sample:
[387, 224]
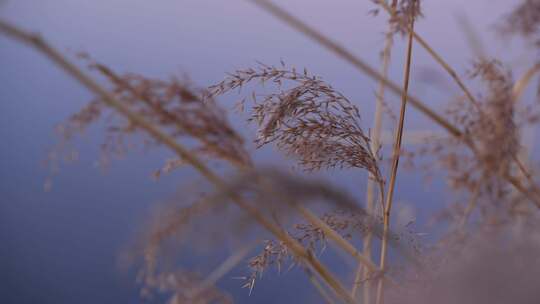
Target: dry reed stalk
[395, 154]
[362, 273]
[523, 82]
[394, 88]
[522, 156]
[332, 234]
[524, 19]
[355, 61]
[341, 242]
[517, 93]
[320, 289]
[433, 54]
[40, 45]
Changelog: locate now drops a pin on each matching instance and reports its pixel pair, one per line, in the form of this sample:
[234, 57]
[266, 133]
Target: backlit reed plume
[306, 118]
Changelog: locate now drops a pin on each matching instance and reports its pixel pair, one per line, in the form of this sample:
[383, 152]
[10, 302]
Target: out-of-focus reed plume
[277, 195]
[524, 20]
[177, 106]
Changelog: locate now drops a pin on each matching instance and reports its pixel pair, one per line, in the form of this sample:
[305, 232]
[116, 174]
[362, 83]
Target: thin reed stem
[523, 82]
[338, 239]
[518, 89]
[437, 58]
[355, 61]
[363, 67]
[39, 44]
[320, 289]
[517, 92]
[395, 162]
[334, 236]
[363, 273]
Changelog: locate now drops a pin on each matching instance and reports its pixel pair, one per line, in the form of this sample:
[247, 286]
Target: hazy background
[62, 246]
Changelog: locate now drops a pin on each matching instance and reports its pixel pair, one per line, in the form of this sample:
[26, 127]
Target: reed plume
[307, 119]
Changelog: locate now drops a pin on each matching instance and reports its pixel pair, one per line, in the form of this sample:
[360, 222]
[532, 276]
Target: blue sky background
[62, 246]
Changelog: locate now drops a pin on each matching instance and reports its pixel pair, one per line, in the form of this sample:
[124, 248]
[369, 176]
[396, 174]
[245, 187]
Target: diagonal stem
[355, 61]
[363, 67]
[518, 88]
[39, 44]
[435, 56]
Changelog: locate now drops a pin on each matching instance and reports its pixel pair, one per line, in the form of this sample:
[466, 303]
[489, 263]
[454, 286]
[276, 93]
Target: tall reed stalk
[362, 273]
[365, 68]
[395, 158]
